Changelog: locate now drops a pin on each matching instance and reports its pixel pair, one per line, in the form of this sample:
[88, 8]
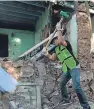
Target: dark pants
[75, 75]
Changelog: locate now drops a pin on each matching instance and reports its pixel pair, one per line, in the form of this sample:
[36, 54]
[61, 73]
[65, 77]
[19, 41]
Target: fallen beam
[36, 46]
[39, 44]
[34, 50]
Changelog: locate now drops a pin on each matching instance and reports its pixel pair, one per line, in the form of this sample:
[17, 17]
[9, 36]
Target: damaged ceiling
[21, 14]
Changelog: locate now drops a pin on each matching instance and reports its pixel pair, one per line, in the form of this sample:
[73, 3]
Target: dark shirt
[69, 48]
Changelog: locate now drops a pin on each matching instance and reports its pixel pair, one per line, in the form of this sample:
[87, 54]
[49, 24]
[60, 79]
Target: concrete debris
[92, 86]
[82, 7]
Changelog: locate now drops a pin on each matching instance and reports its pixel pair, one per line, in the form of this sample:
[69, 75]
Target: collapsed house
[39, 81]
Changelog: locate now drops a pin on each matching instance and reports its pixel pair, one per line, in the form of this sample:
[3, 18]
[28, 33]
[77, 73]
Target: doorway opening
[3, 45]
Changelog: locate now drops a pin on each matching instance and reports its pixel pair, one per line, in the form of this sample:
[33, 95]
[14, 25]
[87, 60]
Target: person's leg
[75, 74]
[65, 77]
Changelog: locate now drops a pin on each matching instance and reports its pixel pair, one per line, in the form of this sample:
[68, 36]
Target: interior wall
[92, 22]
[92, 38]
[71, 35]
[19, 41]
[43, 20]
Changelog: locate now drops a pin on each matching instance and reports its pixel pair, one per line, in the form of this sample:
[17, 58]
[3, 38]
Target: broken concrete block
[41, 68]
[6, 104]
[12, 105]
[45, 106]
[27, 71]
[92, 86]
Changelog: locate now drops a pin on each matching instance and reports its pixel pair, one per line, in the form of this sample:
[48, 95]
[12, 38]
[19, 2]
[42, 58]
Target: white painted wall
[92, 38]
[72, 33]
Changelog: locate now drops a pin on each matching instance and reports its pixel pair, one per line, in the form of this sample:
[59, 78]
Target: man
[70, 67]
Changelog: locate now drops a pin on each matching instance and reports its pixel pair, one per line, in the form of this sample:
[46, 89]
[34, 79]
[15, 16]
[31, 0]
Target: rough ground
[47, 74]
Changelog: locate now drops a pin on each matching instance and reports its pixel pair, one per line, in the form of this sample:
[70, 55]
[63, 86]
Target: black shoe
[87, 108]
[65, 102]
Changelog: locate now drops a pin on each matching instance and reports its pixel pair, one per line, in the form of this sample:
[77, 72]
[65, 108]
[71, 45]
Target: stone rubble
[47, 74]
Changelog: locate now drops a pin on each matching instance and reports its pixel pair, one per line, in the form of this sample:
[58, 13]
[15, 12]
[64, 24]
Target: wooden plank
[42, 42]
[38, 97]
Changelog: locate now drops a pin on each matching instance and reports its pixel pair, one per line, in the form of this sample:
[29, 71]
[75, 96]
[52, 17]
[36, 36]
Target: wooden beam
[19, 9]
[22, 5]
[15, 18]
[7, 11]
[34, 3]
[17, 15]
[16, 25]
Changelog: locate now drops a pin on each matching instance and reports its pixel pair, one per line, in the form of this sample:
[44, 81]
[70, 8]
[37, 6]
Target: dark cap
[63, 8]
[56, 7]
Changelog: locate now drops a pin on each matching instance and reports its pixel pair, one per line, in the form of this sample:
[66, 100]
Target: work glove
[45, 51]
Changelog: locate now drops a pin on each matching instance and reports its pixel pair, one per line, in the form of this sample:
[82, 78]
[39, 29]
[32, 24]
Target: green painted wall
[20, 42]
[43, 20]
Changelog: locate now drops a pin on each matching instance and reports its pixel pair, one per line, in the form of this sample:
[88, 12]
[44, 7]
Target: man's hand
[45, 51]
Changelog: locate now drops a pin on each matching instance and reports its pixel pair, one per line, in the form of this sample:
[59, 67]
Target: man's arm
[60, 38]
[51, 56]
[47, 54]
[61, 41]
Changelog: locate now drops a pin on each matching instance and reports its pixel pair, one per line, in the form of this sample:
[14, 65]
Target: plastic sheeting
[7, 82]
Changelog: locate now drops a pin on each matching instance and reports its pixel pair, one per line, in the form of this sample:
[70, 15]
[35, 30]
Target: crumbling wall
[44, 74]
[84, 43]
[84, 46]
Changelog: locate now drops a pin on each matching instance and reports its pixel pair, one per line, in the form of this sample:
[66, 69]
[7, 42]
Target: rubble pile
[46, 74]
